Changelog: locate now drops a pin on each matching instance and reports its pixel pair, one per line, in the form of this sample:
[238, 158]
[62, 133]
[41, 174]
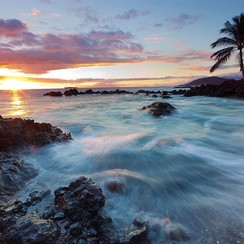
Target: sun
[18, 84]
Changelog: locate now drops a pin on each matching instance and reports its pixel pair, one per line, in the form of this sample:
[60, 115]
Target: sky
[110, 43]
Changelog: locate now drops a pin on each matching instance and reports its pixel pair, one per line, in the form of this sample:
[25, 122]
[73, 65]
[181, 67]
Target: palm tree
[233, 42]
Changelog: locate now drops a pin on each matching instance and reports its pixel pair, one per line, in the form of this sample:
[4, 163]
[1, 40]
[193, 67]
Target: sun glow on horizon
[18, 84]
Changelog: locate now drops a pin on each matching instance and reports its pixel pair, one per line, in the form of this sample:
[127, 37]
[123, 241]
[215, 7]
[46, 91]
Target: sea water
[187, 167]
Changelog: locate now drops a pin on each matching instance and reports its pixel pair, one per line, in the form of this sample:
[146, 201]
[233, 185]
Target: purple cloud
[12, 27]
[131, 14]
[32, 53]
[179, 22]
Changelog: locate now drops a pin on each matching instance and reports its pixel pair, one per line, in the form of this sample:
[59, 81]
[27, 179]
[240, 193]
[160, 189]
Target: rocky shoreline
[76, 213]
[229, 88]
[75, 92]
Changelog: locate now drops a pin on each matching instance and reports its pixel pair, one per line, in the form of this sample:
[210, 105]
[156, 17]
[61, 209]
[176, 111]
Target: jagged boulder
[82, 197]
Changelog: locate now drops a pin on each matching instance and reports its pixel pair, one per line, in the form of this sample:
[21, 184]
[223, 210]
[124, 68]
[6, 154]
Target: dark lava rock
[158, 108]
[82, 197]
[54, 94]
[14, 174]
[71, 92]
[154, 95]
[30, 229]
[20, 133]
[75, 218]
[178, 92]
[229, 88]
[89, 91]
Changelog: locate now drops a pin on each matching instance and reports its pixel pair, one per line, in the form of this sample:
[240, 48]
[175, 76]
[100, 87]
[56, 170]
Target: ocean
[187, 167]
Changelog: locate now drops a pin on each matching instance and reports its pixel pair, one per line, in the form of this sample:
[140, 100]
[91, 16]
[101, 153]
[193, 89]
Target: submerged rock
[19, 133]
[175, 231]
[115, 186]
[159, 108]
[14, 174]
[135, 233]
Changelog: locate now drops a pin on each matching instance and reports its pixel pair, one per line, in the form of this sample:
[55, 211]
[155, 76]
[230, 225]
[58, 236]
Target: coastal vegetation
[232, 42]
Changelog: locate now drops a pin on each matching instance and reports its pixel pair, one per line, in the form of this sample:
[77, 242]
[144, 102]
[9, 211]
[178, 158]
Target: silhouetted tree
[234, 41]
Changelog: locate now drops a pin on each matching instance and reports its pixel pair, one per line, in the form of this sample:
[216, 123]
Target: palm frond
[224, 41]
[221, 56]
[233, 41]
[222, 53]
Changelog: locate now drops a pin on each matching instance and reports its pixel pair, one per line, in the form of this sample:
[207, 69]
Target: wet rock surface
[159, 108]
[74, 217]
[229, 88]
[18, 133]
[82, 197]
[14, 174]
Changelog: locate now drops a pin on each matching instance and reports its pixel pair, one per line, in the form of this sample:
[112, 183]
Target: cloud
[36, 12]
[88, 14]
[12, 28]
[37, 54]
[183, 57]
[131, 14]
[179, 22]
[154, 38]
[56, 15]
[30, 53]
[158, 25]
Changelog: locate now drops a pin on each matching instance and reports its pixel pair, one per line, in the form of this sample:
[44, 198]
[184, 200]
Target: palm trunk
[241, 64]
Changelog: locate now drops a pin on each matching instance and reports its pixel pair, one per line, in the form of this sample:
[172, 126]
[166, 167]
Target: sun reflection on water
[17, 105]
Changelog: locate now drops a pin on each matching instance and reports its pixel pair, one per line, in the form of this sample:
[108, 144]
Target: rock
[14, 174]
[229, 88]
[154, 95]
[71, 92]
[134, 234]
[20, 133]
[76, 216]
[178, 92]
[30, 229]
[82, 198]
[89, 91]
[175, 231]
[115, 186]
[53, 94]
[36, 197]
[158, 108]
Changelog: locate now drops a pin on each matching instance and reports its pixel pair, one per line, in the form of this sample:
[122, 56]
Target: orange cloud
[36, 12]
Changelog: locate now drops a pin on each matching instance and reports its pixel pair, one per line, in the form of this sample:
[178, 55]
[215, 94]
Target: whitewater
[187, 167]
